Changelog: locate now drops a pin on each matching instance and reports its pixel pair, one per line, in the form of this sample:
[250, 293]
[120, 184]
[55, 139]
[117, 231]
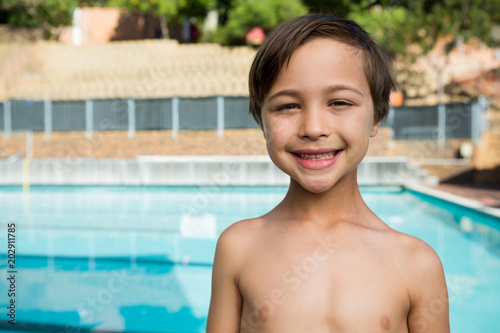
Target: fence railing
[464, 121]
[439, 122]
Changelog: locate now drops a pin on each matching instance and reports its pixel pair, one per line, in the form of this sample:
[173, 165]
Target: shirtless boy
[322, 261]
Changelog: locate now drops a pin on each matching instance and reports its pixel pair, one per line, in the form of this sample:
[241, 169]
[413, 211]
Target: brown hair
[279, 46]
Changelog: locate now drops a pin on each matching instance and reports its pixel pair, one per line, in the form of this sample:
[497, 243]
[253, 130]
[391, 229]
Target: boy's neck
[342, 202]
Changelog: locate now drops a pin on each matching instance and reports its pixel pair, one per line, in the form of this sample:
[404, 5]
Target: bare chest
[325, 288]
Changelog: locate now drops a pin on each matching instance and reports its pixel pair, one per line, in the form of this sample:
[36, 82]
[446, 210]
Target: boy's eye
[341, 102]
[285, 107]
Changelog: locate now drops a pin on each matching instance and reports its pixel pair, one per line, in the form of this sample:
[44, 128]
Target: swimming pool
[138, 259]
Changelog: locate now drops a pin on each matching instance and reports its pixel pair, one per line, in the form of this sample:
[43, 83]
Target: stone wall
[117, 144]
[428, 155]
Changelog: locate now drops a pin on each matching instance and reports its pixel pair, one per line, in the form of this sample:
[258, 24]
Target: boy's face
[318, 115]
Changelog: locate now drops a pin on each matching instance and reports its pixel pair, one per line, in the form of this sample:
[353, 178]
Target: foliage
[386, 25]
[395, 23]
[175, 10]
[195, 8]
[167, 8]
[247, 14]
[409, 29]
[464, 19]
[40, 13]
[399, 23]
[339, 8]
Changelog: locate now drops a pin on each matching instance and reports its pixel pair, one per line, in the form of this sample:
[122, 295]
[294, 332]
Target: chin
[317, 190]
[317, 187]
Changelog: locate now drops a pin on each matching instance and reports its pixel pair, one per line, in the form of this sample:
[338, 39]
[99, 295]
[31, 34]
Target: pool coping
[186, 170]
[453, 198]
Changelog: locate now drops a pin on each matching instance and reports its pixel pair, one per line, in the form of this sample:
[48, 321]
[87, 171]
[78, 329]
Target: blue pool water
[138, 259]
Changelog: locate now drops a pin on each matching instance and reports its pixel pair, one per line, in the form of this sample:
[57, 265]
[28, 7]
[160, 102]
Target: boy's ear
[375, 129]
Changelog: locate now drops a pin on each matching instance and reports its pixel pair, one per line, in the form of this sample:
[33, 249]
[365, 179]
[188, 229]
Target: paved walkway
[489, 196]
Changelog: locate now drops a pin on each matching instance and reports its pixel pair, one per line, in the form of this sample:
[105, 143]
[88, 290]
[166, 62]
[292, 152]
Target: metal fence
[438, 122]
[216, 113]
[209, 113]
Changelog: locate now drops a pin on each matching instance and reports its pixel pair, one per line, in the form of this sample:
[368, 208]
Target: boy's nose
[314, 124]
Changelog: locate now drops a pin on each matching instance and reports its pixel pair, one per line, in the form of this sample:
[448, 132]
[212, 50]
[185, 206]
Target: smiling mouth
[318, 157]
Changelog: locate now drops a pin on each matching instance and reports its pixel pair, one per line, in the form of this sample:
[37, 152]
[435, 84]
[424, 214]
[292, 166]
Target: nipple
[259, 316]
[385, 323]
[264, 313]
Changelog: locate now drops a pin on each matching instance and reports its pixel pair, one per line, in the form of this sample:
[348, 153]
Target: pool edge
[453, 198]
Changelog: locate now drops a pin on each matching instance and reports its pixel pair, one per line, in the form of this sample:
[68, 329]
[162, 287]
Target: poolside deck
[489, 196]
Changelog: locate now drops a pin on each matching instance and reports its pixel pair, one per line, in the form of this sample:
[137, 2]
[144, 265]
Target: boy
[321, 261]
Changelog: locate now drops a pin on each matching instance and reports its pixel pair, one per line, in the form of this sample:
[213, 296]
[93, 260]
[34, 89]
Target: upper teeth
[318, 156]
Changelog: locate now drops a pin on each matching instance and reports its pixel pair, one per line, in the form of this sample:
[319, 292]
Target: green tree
[464, 19]
[410, 29]
[195, 8]
[173, 11]
[247, 14]
[399, 23]
[47, 14]
[169, 9]
[159, 8]
[339, 8]
[389, 26]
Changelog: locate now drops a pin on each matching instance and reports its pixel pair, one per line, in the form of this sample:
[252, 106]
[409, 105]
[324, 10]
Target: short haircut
[278, 47]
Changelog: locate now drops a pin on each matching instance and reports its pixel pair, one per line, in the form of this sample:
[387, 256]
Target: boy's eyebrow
[344, 87]
[285, 92]
[333, 88]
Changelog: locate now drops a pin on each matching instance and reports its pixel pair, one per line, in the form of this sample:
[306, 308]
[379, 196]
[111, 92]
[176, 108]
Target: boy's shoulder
[238, 236]
[417, 251]
[234, 244]
[240, 233]
[419, 260]
[412, 255]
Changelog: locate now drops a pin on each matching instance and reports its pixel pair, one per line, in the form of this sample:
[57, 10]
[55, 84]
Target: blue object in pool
[138, 259]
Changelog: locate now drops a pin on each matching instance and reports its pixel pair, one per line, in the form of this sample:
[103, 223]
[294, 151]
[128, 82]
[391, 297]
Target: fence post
[175, 116]
[7, 119]
[220, 116]
[47, 108]
[131, 117]
[441, 124]
[89, 118]
[479, 119]
[474, 124]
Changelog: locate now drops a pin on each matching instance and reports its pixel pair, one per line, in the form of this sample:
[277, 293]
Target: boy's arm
[226, 301]
[429, 310]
